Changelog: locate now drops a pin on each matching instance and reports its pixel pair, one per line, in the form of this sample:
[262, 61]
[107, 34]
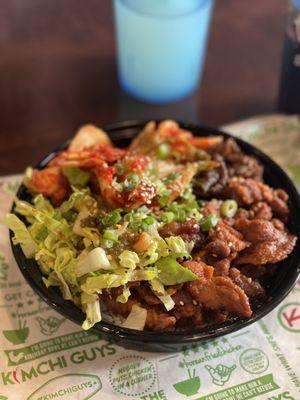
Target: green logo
[17, 336]
[49, 325]
[254, 361]
[132, 375]
[69, 387]
[190, 386]
[289, 317]
[15, 357]
[220, 374]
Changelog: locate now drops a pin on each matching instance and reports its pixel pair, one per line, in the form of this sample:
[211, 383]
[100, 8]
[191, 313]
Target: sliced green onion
[229, 208]
[132, 180]
[144, 226]
[112, 218]
[191, 206]
[128, 217]
[168, 217]
[107, 244]
[163, 151]
[110, 235]
[188, 194]
[209, 222]
[180, 215]
[164, 197]
[149, 220]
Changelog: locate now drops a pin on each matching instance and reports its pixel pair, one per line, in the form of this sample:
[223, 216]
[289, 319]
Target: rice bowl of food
[157, 234]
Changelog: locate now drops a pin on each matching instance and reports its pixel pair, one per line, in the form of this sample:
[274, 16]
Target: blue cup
[161, 46]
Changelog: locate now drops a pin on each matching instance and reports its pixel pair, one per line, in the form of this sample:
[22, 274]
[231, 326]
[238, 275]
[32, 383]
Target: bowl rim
[179, 337]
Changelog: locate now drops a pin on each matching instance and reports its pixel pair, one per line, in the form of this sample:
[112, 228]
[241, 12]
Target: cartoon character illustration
[220, 374]
[15, 357]
[49, 325]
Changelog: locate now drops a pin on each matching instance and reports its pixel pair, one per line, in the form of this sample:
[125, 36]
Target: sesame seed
[195, 303]
[181, 303]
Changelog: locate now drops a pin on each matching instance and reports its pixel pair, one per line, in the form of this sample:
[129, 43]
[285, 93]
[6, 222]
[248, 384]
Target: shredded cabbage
[93, 314]
[72, 201]
[170, 272]
[159, 290]
[136, 319]
[21, 235]
[122, 298]
[176, 245]
[76, 176]
[128, 259]
[95, 260]
[95, 284]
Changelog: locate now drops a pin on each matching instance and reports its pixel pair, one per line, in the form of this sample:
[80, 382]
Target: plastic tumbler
[161, 46]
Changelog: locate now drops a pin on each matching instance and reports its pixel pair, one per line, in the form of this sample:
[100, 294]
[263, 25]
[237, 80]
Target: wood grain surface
[58, 70]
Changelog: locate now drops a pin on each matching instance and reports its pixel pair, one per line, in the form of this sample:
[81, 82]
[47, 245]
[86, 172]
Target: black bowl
[282, 281]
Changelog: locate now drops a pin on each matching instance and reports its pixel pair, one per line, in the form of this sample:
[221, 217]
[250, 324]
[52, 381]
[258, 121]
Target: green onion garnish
[110, 235]
[168, 217]
[112, 218]
[209, 222]
[132, 180]
[229, 208]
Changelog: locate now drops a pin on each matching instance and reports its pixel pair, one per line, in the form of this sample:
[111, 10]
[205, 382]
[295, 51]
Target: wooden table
[58, 70]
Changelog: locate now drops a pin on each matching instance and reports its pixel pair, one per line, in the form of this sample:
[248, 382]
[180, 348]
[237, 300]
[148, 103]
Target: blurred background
[58, 71]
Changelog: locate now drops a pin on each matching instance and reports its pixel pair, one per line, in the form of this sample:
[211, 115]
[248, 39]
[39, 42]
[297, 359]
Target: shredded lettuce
[95, 284]
[150, 256]
[128, 259]
[72, 201]
[162, 247]
[93, 314]
[21, 235]
[122, 298]
[170, 272]
[76, 176]
[167, 301]
[83, 214]
[51, 280]
[45, 260]
[136, 319]
[91, 235]
[42, 204]
[64, 266]
[157, 249]
[93, 261]
[66, 292]
[159, 290]
[144, 274]
[176, 245]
